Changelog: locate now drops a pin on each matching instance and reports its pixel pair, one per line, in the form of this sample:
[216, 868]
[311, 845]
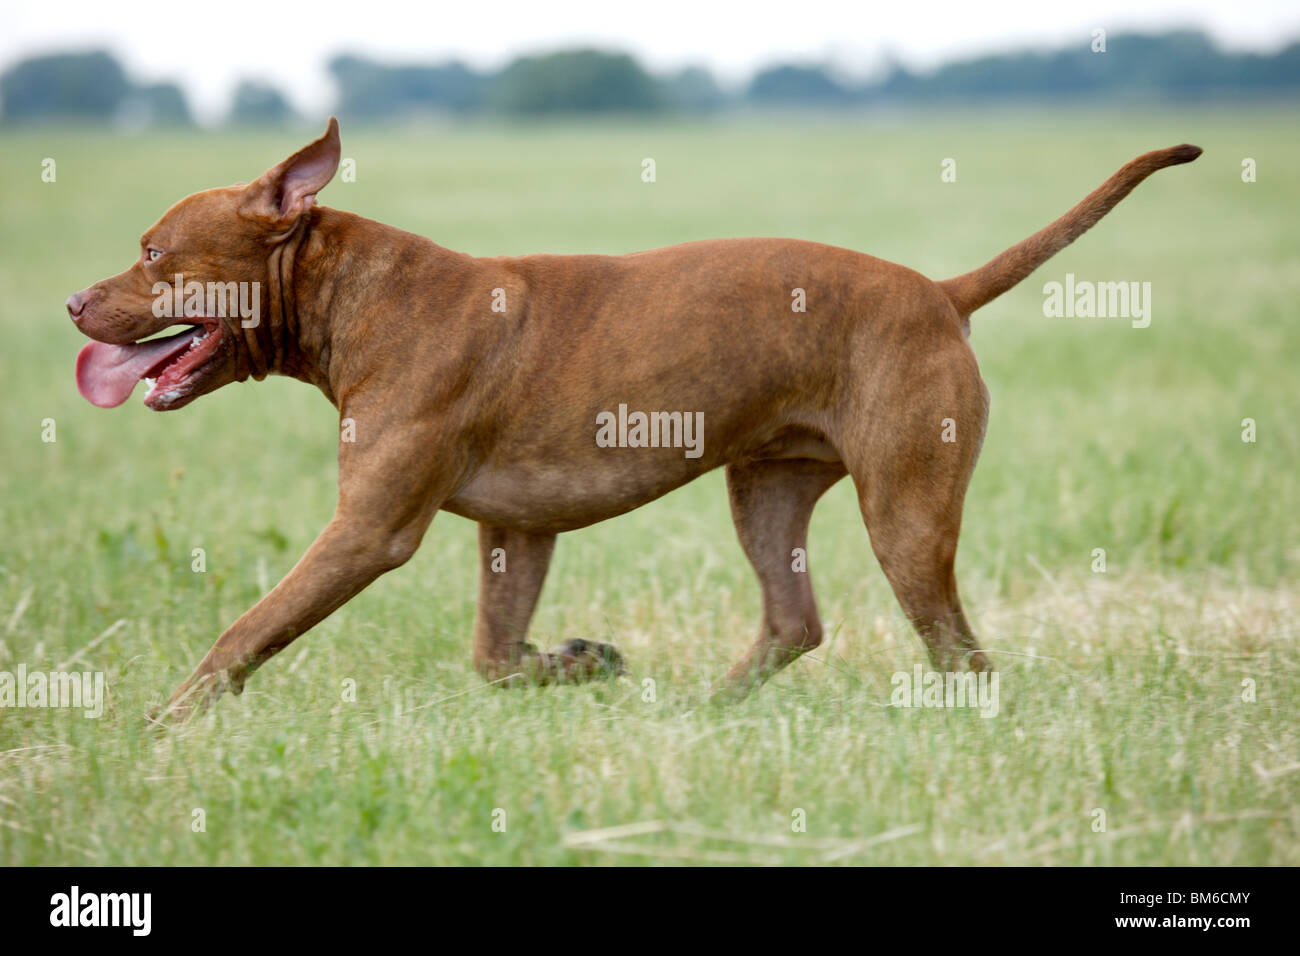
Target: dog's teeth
[149, 384]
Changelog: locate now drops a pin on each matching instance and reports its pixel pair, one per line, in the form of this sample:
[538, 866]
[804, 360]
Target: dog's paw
[164, 717]
[579, 660]
[173, 714]
[572, 662]
[192, 699]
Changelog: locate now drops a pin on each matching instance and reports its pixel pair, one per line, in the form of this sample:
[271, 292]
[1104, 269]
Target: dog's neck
[270, 345]
[326, 282]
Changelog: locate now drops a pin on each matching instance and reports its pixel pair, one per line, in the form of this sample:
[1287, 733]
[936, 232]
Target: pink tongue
[106, 374]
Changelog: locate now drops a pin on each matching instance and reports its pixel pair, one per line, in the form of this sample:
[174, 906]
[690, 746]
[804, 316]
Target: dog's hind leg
[512, 568]
[911, 470]
[771, 503]
[917, 548]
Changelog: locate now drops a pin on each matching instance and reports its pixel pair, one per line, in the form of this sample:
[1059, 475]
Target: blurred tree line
[570, 81]
[1175, 66]
[85, 86]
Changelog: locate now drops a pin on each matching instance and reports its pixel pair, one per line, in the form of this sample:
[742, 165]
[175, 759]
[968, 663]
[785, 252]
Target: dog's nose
[76, 302]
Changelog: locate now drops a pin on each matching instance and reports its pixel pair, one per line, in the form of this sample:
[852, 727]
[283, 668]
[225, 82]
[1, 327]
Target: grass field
[1163, 692]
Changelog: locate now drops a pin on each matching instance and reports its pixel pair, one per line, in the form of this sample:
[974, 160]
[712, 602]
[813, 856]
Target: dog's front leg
[345, 558]
[388, 494]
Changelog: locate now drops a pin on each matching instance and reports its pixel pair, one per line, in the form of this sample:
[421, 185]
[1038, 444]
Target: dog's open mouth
[106, 374]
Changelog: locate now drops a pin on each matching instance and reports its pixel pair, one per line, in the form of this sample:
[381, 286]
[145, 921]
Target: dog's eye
[152, 255]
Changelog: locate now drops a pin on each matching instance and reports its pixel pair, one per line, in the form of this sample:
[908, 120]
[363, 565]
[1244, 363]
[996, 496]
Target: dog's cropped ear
[284, 192]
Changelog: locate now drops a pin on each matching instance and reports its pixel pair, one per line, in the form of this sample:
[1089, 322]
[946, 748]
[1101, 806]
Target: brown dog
[544, 393]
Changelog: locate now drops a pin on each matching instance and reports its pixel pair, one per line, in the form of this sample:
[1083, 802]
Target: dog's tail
[974, 289]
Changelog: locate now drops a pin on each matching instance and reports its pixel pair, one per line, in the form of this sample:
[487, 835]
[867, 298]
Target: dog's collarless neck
[270, 342]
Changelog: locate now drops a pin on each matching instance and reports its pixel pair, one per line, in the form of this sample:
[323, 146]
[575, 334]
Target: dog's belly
[558, 496]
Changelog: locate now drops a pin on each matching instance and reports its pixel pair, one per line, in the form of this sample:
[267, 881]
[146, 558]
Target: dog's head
[204, 265]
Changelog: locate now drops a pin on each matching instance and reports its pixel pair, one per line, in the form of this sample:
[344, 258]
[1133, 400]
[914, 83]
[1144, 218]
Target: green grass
[1120, 691]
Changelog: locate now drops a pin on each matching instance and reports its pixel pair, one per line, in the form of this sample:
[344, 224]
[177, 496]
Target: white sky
[209, 46]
